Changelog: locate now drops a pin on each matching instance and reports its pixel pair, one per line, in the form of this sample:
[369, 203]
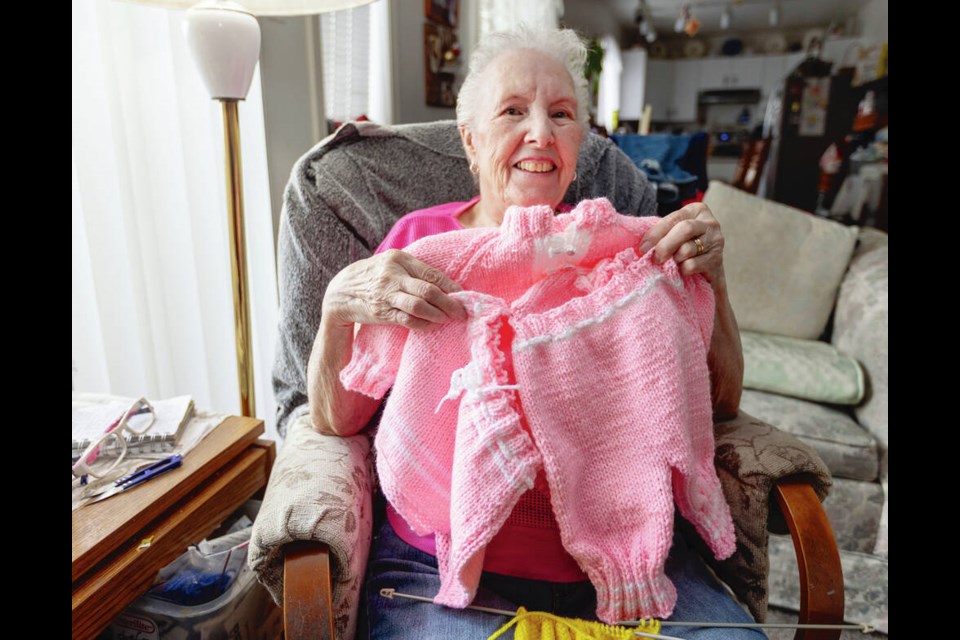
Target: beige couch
[810, 296]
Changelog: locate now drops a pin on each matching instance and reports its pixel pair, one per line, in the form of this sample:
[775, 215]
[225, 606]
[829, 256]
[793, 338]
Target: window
[356, 78]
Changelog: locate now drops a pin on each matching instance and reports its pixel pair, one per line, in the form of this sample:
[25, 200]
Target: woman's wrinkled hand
[392, 287]
[692, 237]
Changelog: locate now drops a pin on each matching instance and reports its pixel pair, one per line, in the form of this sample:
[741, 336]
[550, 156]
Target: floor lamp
[224, 39]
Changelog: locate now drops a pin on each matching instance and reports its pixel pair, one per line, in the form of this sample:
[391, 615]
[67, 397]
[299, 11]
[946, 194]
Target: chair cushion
[847, 448]
[806, 369]
[783, 265]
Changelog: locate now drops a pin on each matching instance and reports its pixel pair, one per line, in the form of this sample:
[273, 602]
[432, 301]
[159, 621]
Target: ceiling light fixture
[682, 19]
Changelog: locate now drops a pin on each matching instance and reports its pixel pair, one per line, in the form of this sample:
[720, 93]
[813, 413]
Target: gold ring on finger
[699, 244]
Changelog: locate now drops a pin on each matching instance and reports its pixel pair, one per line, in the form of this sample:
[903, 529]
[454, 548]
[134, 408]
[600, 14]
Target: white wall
[593, 18]
[292, 85]
[409, 98]
[873, 21]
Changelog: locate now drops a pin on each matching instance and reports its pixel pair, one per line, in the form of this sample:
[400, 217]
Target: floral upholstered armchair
[311, 538]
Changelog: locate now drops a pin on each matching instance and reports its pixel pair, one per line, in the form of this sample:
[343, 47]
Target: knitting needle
[391, 593]
[864, 628]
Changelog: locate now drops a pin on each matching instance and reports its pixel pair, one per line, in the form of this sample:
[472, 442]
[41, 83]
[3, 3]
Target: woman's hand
[676, 236]
[392, 287]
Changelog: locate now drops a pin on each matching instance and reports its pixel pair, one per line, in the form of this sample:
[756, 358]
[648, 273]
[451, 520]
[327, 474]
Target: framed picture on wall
[443, 11]
[438, 41]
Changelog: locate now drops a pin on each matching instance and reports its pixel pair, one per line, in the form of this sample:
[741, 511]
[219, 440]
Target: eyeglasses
[104, 454]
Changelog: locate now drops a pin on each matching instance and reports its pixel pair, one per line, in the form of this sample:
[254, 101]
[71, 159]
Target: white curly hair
[563, 44]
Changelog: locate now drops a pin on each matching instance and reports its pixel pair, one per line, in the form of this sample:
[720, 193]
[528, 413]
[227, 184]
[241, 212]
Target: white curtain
[500, 15]
[152, 305]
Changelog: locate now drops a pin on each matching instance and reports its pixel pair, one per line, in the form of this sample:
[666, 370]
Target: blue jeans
[395, 564]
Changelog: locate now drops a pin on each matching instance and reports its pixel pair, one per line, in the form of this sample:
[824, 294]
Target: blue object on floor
[656, 154]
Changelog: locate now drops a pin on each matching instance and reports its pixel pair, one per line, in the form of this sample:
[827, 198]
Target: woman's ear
[466, 136]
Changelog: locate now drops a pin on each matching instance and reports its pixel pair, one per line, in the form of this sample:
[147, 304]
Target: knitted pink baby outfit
[609, 356]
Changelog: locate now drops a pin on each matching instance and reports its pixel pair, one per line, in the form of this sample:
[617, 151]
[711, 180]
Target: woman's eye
[562, 114]
[511, 111]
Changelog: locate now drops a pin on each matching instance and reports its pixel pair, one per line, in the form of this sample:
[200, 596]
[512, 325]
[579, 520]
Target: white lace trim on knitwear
[607, 314]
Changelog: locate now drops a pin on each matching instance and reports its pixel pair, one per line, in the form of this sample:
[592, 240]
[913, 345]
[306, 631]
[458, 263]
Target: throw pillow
[805, 369]
[783, 265]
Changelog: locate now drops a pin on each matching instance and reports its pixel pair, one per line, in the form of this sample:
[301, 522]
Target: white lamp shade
[225, 42]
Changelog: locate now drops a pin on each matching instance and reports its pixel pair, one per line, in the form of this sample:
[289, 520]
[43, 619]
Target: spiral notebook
[172, 415]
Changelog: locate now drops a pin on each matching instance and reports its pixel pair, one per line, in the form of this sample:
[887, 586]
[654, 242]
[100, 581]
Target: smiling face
[525, 135]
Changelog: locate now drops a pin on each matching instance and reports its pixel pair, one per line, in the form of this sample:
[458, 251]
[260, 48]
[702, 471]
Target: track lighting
[775, 15]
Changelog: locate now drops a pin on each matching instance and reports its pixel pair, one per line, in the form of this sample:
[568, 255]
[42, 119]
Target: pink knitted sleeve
[375, 359]
[377, 349]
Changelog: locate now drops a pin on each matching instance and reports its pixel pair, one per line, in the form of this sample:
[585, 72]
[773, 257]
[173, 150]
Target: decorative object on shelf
[813, 41]
[775, 44]
[224, 38]
[658, 50]
[732, 47]
[694, 48]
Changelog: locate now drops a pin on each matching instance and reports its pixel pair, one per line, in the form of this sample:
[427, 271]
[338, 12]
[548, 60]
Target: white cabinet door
[632, 84]
[714, 73]
[658, 92]
[731, 73]
[746, 73]
[686, 86]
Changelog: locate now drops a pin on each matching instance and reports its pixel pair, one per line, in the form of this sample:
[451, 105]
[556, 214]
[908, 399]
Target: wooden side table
[121, 543]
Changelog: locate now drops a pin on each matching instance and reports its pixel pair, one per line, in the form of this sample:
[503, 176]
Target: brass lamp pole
[238, 260]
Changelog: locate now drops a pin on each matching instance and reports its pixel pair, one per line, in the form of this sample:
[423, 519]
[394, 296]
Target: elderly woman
[522, 114]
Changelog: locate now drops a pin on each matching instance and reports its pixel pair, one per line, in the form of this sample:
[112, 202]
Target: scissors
[141, 475]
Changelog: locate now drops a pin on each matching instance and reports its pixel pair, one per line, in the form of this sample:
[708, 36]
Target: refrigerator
[817, 110]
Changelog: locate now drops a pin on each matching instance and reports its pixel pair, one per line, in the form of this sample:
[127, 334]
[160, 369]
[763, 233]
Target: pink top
[528, 545]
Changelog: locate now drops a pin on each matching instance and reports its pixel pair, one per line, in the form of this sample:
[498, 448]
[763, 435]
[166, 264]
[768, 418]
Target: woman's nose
[540, 130]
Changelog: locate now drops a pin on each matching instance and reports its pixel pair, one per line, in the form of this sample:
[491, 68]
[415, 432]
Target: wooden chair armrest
[307, 591]
[821, 577]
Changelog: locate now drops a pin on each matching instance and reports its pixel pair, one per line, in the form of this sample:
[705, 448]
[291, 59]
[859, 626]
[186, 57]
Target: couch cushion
[806, 369]
[855, 510]
[865, 579]
[848, 450]
[783, 265]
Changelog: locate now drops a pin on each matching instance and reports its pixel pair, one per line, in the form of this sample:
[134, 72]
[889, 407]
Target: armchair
[310, 541]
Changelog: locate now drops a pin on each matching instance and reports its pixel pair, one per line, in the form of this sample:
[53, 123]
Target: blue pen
[151, 471]
[140, 476]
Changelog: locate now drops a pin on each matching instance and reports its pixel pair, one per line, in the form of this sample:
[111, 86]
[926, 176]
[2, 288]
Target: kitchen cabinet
[633, 84]
[731, 73]
[672, 86]
[659, 89]
[686, 85]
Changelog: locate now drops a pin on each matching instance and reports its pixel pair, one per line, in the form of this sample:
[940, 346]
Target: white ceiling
[748, 15]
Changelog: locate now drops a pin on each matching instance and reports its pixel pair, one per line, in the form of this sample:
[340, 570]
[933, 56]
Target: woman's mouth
[535, 166]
